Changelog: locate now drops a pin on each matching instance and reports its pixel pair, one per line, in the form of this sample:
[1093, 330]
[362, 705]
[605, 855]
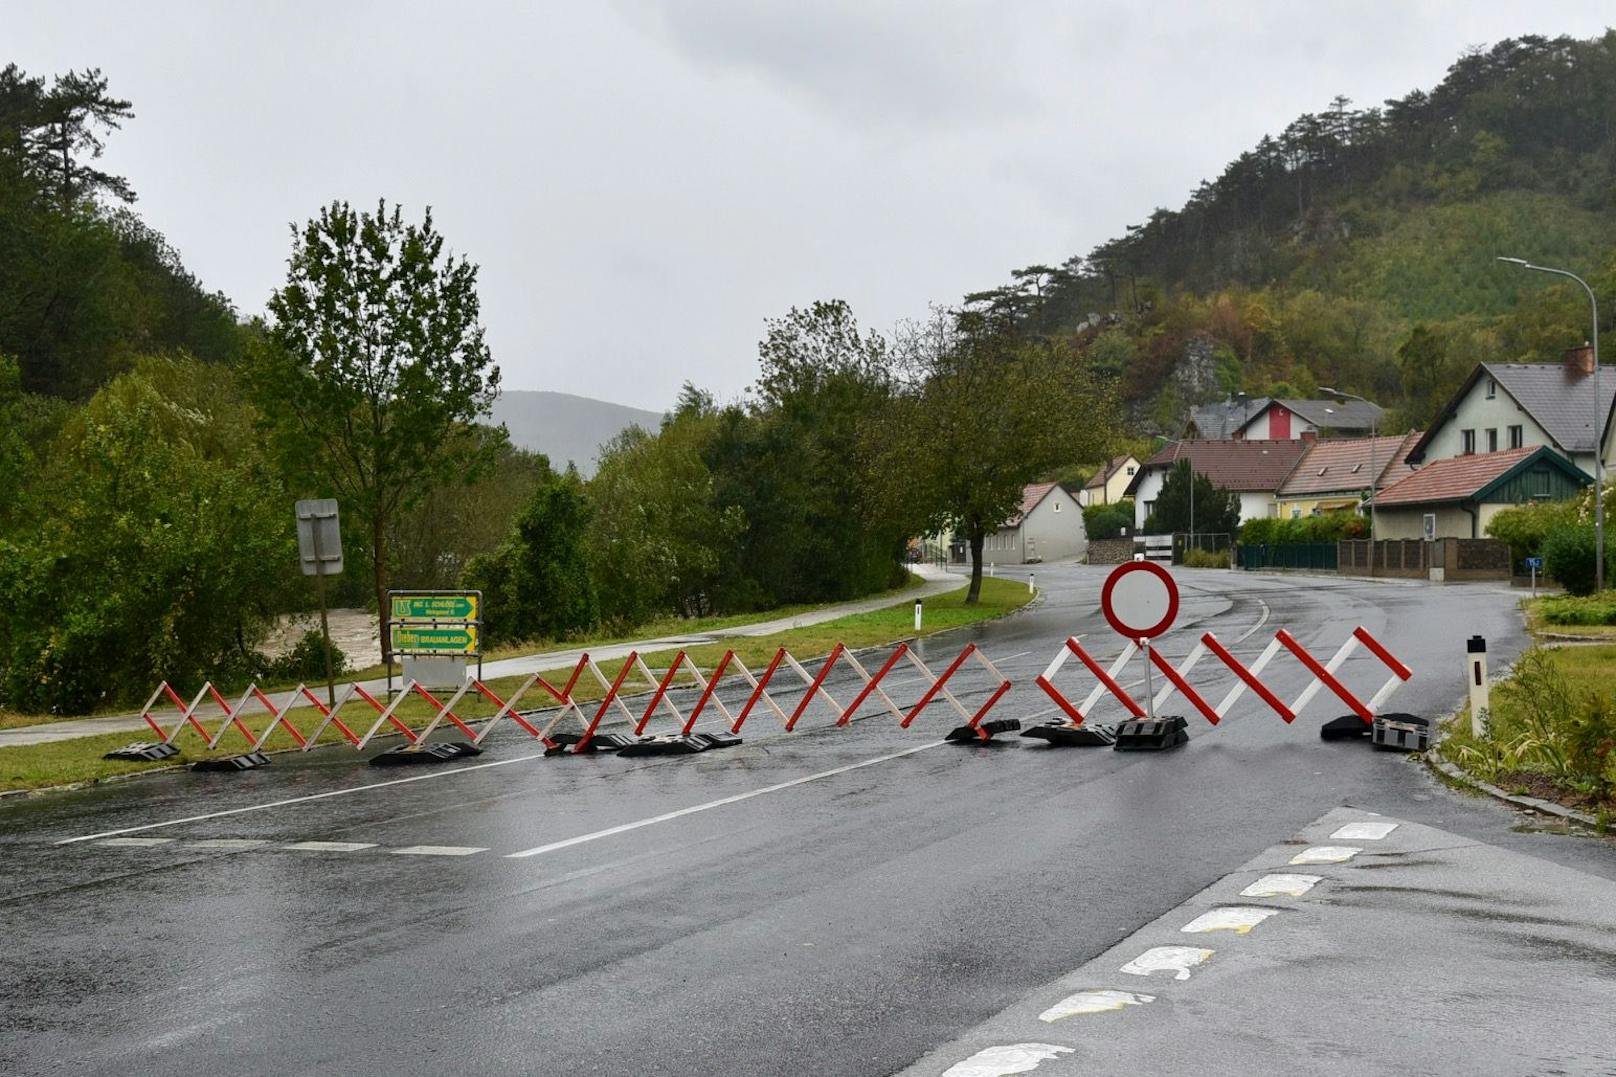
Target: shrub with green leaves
[1526, 527]
[1569, 556]
[1107, 521]
[1326, 527]
[1597, 609]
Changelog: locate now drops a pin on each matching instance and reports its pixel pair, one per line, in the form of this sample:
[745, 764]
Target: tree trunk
[977, 536]
[378, 558]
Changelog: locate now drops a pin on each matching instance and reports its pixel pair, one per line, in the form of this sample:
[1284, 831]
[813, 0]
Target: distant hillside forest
[1356, 247]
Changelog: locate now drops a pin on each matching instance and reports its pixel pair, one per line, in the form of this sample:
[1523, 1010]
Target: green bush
[1107, 521]
[1526, 527]
[1569, 556]
[306, 660]
[1206, 559]
[1326, 527]
[1597, 609]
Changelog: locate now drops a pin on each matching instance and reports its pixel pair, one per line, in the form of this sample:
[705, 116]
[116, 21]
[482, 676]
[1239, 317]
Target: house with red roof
[1340, 473]
[1047, 527]
[1457, 496]
[1255, 469]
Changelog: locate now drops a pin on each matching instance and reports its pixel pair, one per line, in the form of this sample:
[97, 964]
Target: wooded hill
[1316, 254]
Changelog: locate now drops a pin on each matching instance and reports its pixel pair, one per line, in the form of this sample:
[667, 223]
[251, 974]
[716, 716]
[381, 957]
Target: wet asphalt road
[839, 921]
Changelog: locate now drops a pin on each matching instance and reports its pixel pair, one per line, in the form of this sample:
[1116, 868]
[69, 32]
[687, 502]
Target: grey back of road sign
[319, 537]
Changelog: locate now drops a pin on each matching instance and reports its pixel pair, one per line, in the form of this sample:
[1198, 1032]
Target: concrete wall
[1449, 560]
[1110, 551]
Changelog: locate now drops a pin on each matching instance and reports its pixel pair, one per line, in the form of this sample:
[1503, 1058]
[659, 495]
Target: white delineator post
[1476, 680]
[917, 614]
[1031, 576]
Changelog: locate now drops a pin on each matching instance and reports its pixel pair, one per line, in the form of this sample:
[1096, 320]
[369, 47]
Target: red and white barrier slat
[939, 686]
[1107, 679]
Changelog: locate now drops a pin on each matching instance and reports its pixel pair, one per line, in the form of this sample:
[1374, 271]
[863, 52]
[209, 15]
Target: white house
[1287, 419]
[1253, 469]
[1047, 527]
[1504, 406]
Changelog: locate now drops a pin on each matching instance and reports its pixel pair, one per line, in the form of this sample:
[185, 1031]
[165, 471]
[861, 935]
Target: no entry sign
[1140, 600]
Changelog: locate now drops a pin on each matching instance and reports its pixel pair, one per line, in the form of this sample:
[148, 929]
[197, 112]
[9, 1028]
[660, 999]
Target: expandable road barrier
[1177, 678]
[681, 739]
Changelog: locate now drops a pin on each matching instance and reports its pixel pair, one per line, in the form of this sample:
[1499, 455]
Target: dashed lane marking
[1175, 959]
[1101, 1001]
[1238, 920]
[1012, 1058]
[1281, 885]
[624, 828]
[438, 850]
[136, 843]
[330, 846]
[228, 843]
[1364, 831]
[1326, 854]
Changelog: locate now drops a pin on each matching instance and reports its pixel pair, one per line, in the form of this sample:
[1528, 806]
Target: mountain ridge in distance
[566, 427]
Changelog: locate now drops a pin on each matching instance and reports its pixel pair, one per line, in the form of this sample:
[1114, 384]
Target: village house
[1047, 527]
[1289, 419]
[1339, 474]
[1253, 469]
[1457, 496]
[1109, 484]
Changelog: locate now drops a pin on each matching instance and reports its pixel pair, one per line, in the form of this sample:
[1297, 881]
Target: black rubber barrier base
[677, 745]
[1065, 735]
[232, 764]
[600, 742]
[964, 734]
[143, 752]
[1152, 735]
[443, 751]
[1399, 732]
[1346, 727]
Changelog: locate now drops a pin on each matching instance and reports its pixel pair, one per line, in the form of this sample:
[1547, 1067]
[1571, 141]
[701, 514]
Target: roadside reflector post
[917, 614]
[1031, 576]
[1476, 656]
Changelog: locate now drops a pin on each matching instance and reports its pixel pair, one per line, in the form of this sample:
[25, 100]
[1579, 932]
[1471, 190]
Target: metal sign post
[319, 546]
[1533, 564]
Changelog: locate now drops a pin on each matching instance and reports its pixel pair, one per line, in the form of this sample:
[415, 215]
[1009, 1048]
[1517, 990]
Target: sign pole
[325, 624]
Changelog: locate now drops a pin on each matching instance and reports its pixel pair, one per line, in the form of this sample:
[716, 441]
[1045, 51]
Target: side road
[937, 581]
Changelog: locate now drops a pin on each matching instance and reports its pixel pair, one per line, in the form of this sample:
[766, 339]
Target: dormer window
[1357, 468]
[1322, 470]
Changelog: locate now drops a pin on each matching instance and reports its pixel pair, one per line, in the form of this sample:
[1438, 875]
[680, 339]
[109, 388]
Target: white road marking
[330, 846]
[221, 843]
[1281, 885]
[438, 850]
[1260, 622]
[1240, 921]
[135, 843]
[1093, 1002]
[722, 802]
[1364, 831]
[1326, 854]
[999, 1061]
[303, 800]
[1175, 959]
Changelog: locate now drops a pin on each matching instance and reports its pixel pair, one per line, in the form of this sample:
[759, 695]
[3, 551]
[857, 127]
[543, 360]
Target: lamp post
[1190, 460]
[1374, 472]
[1599, 419]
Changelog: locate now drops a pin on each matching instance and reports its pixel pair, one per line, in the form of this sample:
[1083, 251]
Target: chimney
[1579, 362]
[1310, 435]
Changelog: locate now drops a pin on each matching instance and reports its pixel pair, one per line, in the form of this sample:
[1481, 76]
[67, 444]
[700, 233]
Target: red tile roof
[1453, 479]
[1031, 494]
[1252, 466]
[1341, 465]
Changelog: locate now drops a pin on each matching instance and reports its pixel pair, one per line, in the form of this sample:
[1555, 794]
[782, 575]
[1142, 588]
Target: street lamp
[1374, 473]
[1599, 419]
[1190, 460]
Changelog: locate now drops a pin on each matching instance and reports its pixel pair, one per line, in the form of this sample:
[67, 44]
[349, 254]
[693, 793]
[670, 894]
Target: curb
[1547, 807]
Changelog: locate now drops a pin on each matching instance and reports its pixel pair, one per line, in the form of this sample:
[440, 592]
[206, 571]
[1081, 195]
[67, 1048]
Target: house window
[1130, 471]
[1430, 527]
[1492, 440]
[1492, 388]
[1057, 506]
[1467, 442]
[1296, 512]
[1540, 482]
[1515, 437]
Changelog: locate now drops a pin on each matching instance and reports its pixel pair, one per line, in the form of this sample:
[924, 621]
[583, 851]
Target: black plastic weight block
[143, 752]
[1064, 735]
[600, 742]
[1399, 732]
[664, 746]
[1346, 727]
[232, 764]
[406, 755]
[717, 740]
[1151, 734]
[965, 734]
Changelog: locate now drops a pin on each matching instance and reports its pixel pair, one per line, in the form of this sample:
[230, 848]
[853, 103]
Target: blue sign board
[1534, 562]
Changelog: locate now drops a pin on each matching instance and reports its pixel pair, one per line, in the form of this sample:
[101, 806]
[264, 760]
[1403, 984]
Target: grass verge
[39, 766]
[1591, 617]
[1552, 730]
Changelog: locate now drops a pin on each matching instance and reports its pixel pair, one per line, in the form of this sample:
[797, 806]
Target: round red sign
[1140, 600]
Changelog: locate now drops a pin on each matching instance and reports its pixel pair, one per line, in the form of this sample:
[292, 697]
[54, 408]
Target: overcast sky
[644, 182]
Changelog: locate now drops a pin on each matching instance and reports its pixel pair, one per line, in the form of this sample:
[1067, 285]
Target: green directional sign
[435, 608]
[422, 639]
